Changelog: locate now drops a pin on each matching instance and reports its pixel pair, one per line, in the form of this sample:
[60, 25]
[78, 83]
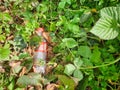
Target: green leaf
[19, 88]
[16, 69]
[82, 1]
[69, 69]
[85, 16]
[78, 74]
[108, 25]
[74, 28]
[96, 55]
[63, 2]
[23, 55]
[4, 53]
[78, 62]
[83, 83]
[35, 40]
[105, 28]
[112, 49]
[68, 1]
[11, 85]
[44, 8]
[61, 5]
[1, 88]
[113, 12]
[84, 51]
[6, 45]
[5, 16]
[24, 81]
[52, 26]
[2, 38]
[70, 42]
[31, 79]
[76, 19]
[87, 63]
[28, 64]
[67, 82]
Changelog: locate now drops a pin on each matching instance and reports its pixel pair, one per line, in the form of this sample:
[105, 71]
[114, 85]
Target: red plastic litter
[40, 54]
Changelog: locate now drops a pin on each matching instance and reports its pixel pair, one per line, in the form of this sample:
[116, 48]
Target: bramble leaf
[70, 42]
[84, 51]
[78, 62]
[69, 69]
[78, 74]
[67, 82]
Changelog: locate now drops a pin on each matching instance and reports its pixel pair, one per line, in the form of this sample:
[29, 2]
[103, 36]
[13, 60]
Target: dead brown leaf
[14, 63]
[10, 37]
[46, 35]
[2, 70]
[2, 8]
[52, 86]
[29, 87]
[50, 53]
[23, 71]
[49, 68]
[38, 87]
[30, 50]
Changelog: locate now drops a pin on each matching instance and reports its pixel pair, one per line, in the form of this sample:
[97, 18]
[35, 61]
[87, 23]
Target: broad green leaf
[70, 42]
[69, 69]
[78, 74]
[113, 12]
[59, 23]
[5, 16]
[74, 28]
[83, 83]
[35, 40]
[1, 88]
[16, 69]
[85, 16]
[67, 82]
[4, 53]
[78, 62]
[68, 1]
[108, 25]
[27, 15]
[105, 28]
[25, 80]
[76, 19]
[44, 8]
[31, 79]
[82, 1]
[87, 63]
[28, 64]
[62, 4]
[52, 26]
[11, 85]
[84, 51]
[23, 55]
[112, 49]
[7, 45]
[2, 38]
[19, 88]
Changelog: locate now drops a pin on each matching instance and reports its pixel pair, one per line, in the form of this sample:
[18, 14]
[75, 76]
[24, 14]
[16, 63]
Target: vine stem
[103, 65]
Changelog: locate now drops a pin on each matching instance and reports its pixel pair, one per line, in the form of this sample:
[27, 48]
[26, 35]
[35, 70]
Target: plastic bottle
[40, 54]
